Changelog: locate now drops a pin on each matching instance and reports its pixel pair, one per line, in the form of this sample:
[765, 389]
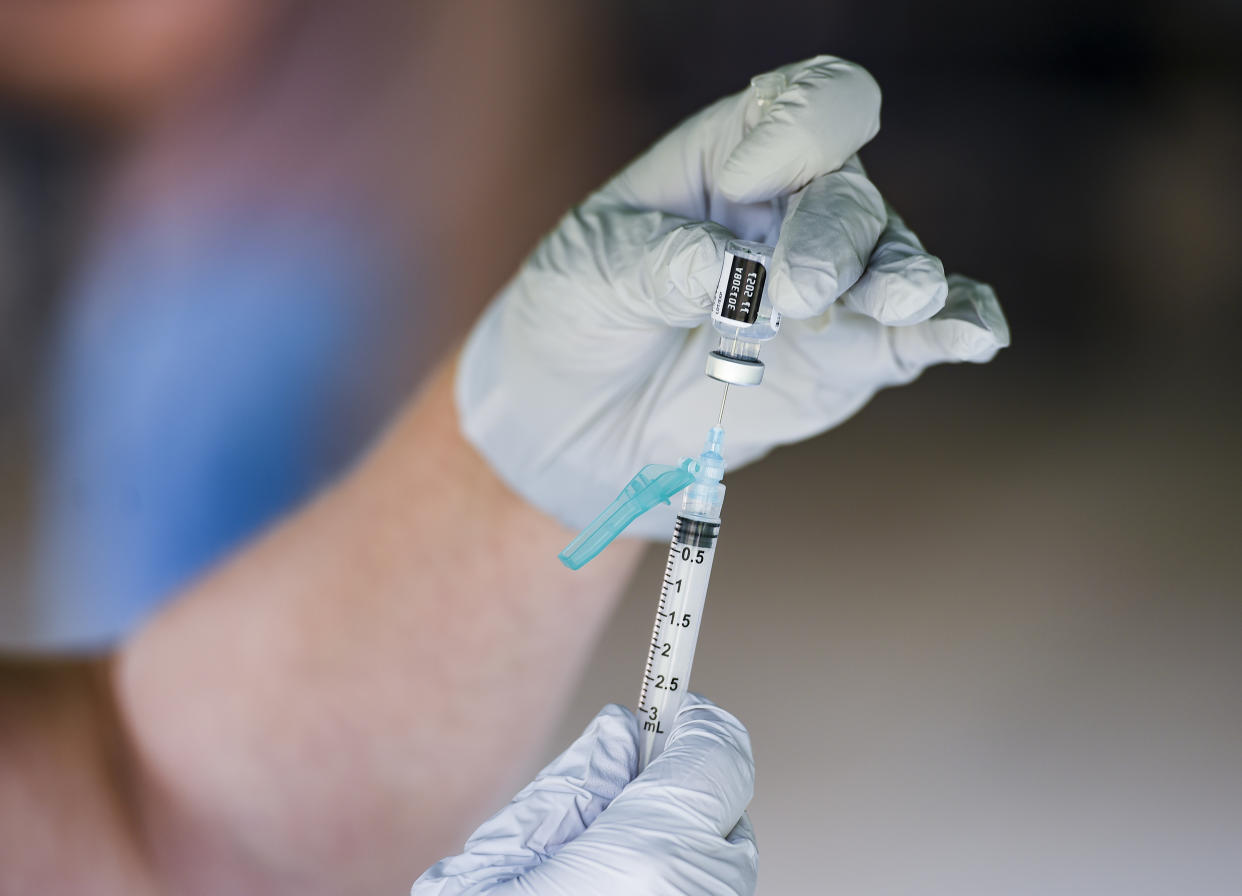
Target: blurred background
[987, 635]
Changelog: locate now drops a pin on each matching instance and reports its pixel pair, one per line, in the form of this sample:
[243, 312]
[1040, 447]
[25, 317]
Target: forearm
[348, 696]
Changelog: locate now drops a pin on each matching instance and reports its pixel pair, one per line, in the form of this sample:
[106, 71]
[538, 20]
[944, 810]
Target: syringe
[671, 655]
[666, 678]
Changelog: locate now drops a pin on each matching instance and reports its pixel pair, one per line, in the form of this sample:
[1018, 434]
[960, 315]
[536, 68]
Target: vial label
[740, 290]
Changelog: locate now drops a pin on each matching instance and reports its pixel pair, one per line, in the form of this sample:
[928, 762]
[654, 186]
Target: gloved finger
[742, 839]
[903, 284]
[742, 857]
[704, 779]
[830, 231]
[662, 268]
[630, 855]
[554, 809]
[743, 832]
[970, 327]
[830, 109]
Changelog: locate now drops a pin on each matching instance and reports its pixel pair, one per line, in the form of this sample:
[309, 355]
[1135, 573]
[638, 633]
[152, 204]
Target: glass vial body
[742, 314]
[742, 310]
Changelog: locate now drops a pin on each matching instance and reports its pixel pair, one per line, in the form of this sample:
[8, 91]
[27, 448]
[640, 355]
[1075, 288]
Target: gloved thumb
[704, 779]
[970, 327]
[554, 809]
[829, 110]
[662, 268]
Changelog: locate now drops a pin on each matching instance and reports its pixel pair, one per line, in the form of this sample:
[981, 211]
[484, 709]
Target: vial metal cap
[737, 371]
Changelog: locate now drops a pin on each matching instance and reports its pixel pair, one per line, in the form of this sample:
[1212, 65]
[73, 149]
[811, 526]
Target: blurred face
[119, 57]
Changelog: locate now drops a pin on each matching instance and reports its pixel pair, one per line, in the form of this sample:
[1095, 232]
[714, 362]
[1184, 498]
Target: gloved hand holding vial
[590, 363]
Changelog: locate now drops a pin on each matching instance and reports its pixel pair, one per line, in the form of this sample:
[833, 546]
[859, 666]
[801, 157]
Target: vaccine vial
[742, 314]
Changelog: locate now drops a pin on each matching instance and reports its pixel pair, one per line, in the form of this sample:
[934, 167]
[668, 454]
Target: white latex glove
[590, 362]
[586, 825]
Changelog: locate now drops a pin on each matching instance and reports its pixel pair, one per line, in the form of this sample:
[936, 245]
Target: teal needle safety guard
[653, 484]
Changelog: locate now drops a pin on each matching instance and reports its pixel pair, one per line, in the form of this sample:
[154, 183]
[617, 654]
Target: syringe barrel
[666, 678]
[682, 596]
[702, 503]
